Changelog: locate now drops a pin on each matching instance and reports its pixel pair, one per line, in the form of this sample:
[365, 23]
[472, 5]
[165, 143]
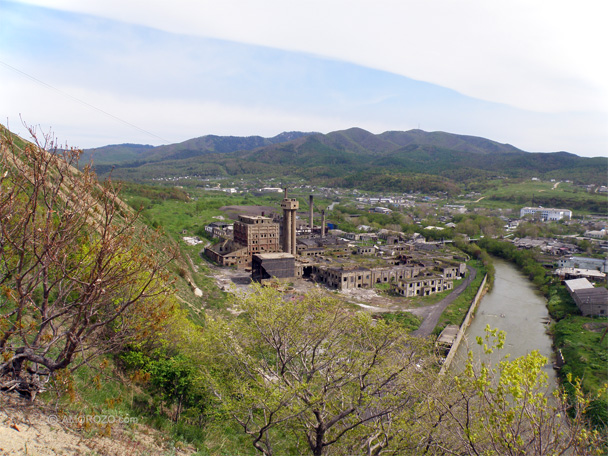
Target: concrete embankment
[463, 327]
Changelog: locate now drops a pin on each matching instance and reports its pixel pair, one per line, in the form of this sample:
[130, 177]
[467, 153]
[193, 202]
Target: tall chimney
[290, 207]
[287, 231]
[293, 234]
[311, 209]
[323, 223]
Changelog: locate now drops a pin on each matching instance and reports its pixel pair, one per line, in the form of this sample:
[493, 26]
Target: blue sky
[528, 73]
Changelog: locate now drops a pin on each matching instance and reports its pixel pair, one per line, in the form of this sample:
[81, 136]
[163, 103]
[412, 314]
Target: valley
[377, 255]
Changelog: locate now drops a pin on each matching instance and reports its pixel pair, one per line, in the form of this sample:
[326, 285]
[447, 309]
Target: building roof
[578, 284]
[273, 256]
[252, 218]
[597, 295]
[553, 209]
[582, 272]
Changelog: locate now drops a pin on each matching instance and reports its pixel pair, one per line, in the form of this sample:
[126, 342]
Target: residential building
[598, 264]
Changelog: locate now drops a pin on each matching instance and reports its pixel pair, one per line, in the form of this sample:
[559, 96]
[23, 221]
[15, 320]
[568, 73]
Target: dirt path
[432, 313]
[28, 428]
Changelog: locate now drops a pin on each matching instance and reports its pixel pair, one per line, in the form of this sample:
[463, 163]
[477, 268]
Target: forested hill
[130, 153]
[437, 161]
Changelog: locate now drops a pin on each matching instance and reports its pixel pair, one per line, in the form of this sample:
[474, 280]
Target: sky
[531, 73]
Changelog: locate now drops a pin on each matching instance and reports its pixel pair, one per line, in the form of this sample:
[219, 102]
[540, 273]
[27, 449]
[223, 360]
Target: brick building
[258, 234]
[252, 235]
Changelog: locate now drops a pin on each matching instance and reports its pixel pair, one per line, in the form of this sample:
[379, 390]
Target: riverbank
[582, 340]
[463, 327]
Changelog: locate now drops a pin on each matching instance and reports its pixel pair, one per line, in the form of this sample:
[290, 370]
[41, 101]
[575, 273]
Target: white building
[455, 208]
[598, 234]
[545, 213]
[382, 210]
[598, 264]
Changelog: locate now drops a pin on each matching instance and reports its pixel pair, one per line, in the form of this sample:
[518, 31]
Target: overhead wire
[49, 86]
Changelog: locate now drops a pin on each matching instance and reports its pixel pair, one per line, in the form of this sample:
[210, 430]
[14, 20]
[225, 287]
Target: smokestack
[285, 192]
[311, 209]
[293, 234]
[323, 223]
[287, 231]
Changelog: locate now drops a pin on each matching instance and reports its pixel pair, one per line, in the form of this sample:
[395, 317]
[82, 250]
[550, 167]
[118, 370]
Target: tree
[507, 410]
[336, 380]
[306, 375]
[78, 274]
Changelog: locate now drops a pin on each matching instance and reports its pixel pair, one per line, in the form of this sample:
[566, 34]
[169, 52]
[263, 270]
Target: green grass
[515, 195]
[584, 344]
[586, 357]
[560, 304]
[187, 209]
[407, 320]
[383, 287]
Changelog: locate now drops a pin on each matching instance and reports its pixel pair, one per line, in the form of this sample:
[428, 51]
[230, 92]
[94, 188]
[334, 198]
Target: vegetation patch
[407, 320]
[584, 345]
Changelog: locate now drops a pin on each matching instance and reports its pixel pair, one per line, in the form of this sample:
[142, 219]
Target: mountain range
[439, 161]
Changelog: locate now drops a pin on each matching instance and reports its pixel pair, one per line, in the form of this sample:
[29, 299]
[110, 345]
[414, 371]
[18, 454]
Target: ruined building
[272, 266]
[252, 235]
[259, 234]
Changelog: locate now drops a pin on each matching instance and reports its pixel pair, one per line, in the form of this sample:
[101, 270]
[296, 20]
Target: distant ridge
[116, 153]
[352, 157]
[187, 149]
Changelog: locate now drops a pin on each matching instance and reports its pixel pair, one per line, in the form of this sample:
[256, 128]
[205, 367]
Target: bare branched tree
[78, 275]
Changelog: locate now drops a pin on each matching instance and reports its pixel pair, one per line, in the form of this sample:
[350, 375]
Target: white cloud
[178, 120]
[543, 56]
[172, 120]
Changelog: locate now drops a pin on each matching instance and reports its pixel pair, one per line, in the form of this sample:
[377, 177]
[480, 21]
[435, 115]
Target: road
[432, 313]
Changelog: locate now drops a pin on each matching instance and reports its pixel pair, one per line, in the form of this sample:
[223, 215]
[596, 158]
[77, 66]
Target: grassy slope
[509, 194]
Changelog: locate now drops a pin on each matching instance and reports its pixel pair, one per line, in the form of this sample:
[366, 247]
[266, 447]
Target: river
[517, 308]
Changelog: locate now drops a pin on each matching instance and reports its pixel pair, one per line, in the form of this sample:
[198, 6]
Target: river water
[517, 308]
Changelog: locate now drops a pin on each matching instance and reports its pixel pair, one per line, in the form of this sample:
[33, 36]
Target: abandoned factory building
[274, 251]
[252, 234]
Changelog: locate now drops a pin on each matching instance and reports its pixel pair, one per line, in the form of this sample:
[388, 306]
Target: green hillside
[354, 157]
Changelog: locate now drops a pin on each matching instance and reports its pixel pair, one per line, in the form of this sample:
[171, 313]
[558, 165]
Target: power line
[65, 94]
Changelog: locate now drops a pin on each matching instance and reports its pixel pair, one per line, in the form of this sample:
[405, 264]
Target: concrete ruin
[252, 234]
[290, 207]
[273, 251]
[266, 266]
